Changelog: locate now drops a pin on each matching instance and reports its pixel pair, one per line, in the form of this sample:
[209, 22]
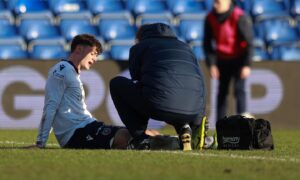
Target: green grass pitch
[56, 163]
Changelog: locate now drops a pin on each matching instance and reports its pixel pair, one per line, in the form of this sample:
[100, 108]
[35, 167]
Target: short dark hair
[86, 40]
[140, 31]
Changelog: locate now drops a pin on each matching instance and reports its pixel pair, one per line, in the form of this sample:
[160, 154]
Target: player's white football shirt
[64, 108]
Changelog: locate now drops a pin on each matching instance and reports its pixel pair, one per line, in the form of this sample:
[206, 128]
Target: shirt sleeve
[209, 52]
[55, 89]
[135, 61]
[245, 29]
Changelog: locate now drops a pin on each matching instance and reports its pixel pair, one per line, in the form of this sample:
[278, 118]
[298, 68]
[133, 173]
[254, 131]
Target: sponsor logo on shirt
[61, 67]
[89, 138]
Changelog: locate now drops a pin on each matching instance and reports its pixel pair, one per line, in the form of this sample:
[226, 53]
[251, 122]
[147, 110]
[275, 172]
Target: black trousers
[135, 111]
[230, 70]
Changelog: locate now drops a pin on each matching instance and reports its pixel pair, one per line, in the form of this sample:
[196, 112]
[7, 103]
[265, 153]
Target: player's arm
[246, 31]
[54, 92]
[209, 51]
[135, 61]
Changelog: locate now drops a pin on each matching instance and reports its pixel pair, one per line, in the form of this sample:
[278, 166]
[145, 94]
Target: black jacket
[168, 71]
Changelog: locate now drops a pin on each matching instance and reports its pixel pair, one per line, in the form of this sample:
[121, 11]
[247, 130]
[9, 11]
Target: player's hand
[245, 72]
[214, 72]
[152, 132]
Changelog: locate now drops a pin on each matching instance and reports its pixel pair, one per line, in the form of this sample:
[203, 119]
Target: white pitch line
[233, 156]
[26, 143]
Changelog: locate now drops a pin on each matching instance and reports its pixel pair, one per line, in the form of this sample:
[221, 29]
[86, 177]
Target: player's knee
[121, 139]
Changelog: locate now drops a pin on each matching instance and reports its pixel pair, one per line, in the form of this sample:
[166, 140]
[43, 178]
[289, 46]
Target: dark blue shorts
[95, 135]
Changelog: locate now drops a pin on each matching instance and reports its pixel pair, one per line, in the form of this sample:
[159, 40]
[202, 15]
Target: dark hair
[138, 34]
[86, 40]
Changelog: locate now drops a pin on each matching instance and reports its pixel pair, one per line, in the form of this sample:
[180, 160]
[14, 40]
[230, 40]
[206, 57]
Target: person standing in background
[228, 50]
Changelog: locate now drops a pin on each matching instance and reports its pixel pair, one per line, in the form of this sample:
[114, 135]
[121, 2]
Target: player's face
[222, 6]
[89, 56]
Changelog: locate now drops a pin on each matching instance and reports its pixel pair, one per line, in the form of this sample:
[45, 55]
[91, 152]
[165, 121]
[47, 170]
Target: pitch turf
[56, 163]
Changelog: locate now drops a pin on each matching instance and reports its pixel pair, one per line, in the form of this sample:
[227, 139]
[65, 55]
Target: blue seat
[48, 49]
[286, 52]
[268, 8]
[295, 8]
[13, 48]
[116, 26]
[119, 49]
[246, 5]
[27, 6]
[277, 30]
[260, 51]
[298, 24]
[6, 17]
[208, 4]
[186, 6]
[197, 48]
[97, 7]
[65, 6]
[36, 25]
[149, 18]
[2, 5]
[191, 27]
[72, 24]
[146, 6]
[8, 30]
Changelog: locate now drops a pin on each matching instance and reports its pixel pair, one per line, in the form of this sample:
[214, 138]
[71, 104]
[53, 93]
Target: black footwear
[139, 143]
[164, 142]
[199, 134]
[185, 137]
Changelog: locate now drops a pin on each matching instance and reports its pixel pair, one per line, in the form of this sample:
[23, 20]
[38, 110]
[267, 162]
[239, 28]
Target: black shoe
[185, 137]
[139, 143]
[199, 134]
[164, 142]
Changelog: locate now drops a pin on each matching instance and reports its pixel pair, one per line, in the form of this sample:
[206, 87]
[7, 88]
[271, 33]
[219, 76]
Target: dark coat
[168, 71]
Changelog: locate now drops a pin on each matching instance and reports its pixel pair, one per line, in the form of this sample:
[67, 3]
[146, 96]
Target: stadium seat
[149, 18]
[6, 17]
[268, 8]
[146, 6]
[277, 30]
[260, 51]
[116, 26]
[191, 26]
[2, 5]
[27, 6]
[295, 8]
[186, 6]
[65, 6]
[35, 25]
[197, 48]
[8, 30]
[286, 52]
[97, 7]
[119, 49]
[298, 23]
[244, 4]
[209, 4]
[72, 24]
[13, 48]
[48, 49]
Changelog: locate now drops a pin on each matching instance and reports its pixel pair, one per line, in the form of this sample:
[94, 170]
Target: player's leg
[240, 93]
[130, 104]
[223, 89]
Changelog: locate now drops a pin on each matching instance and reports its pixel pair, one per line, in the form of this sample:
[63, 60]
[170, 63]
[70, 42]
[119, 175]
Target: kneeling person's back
[167, 70]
